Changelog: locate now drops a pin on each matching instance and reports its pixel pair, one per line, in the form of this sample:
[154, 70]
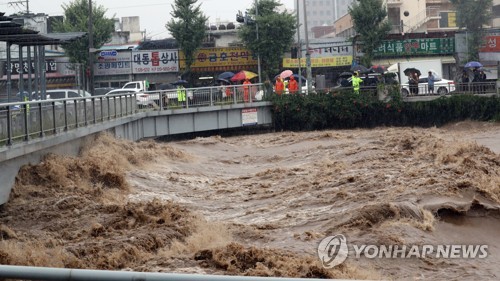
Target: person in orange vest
[279, 87]
[293, 87]
[246, 90]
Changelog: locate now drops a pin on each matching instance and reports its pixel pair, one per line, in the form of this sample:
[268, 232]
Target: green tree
[276, 31]
[187, 26]
[473, 15]
[371, 25]
[76, 17]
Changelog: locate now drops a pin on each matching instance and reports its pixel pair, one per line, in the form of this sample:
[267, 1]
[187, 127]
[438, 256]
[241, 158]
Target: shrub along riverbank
[342, 110]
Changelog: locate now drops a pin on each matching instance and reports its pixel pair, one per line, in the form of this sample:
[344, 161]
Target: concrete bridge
[30, 130]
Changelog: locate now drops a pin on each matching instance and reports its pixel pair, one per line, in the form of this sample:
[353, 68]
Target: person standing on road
[246, 90]
[181, 95]
[356, 81]
[293, 87]
[430, 82]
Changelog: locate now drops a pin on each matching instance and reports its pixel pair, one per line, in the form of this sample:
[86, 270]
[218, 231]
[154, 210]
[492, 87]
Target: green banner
[424, 46]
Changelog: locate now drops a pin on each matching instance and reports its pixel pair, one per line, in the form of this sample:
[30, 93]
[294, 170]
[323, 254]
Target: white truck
[424, 66]
[138, 86]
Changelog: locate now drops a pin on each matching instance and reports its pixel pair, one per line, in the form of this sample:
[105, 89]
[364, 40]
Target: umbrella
[286, 73]
[345, 74]
[473, 64]
[412, 70]
[180, 82]
[296, 76]
[225, 75]
[377, 68]
[360, 68]
[242, 75]
[223, 80]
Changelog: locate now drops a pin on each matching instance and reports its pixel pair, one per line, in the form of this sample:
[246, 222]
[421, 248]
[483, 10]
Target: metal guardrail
[64, 274]
[23, 121]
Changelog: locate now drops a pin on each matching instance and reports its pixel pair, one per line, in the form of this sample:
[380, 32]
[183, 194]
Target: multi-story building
[496, 14]
[320, 13]
[410, 17]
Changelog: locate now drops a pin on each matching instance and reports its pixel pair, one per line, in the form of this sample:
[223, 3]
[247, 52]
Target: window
[72, 94]
[57, 95]
[496, 11]
[448, 19]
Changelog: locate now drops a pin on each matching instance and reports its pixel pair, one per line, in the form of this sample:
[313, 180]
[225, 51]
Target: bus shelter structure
[15, 34]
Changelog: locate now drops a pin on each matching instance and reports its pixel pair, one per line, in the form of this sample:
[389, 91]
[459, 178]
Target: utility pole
[91, 51]
[308, 54]
[299, 51]
[257, 28]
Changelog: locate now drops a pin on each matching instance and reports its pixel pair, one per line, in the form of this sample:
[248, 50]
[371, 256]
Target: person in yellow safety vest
[355, 82]
[181, 95]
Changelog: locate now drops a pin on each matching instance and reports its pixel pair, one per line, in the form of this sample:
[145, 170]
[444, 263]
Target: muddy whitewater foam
[259, 205]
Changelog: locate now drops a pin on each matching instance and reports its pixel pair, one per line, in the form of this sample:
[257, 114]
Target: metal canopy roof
[16, 34]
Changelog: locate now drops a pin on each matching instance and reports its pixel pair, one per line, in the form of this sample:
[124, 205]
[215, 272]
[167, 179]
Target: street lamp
[308, 54]
[91, 51]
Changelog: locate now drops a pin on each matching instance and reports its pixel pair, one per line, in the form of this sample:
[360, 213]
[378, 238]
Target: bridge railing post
[9, 126]
[41, 118]
[235, 98]
[211, 96]
[76, 114]
[65, 110]
[26, 108]
[54, 120]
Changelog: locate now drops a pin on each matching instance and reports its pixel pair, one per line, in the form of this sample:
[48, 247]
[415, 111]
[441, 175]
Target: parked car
[441, 87]
[102, 91]
[66, 94]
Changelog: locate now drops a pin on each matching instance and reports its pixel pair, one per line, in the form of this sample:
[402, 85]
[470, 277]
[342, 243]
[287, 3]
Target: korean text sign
[213, 57]
[155, 61]
[113, 63]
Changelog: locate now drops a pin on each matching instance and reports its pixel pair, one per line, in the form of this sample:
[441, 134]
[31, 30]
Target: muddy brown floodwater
[259, 205]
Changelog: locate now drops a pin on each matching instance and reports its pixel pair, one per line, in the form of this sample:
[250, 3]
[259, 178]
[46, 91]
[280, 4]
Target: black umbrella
[359, 68]
[345, 74]
[226, 75]
[180, 82]
[224, 81]
[412, 70]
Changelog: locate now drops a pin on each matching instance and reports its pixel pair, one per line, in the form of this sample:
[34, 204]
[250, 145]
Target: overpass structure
[30, 130]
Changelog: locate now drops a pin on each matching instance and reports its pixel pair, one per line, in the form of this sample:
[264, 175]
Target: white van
[66, 93]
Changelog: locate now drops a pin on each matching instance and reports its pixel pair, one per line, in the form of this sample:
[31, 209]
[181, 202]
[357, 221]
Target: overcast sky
[153, 13]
